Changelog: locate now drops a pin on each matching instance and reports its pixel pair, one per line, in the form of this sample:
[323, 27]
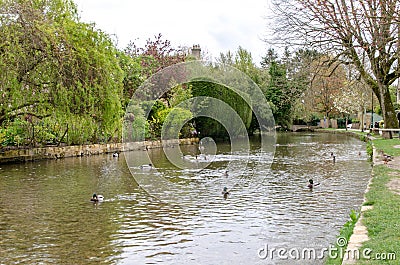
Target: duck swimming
[97, 198]
[311, 184]
[187, 157]
[146, 167]
[225, 192]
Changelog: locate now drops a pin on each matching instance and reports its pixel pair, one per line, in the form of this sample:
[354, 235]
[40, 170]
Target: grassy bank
[388, 146]
[383, 220]
[345, 232]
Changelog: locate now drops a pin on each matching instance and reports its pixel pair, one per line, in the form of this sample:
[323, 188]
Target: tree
[325, 85]
[243, 61]
[58, 70]
[300, 74]
[353, 98]
[156, 54]
[133, 77]
[210, 127]
[278, 94]
[362, 33]
[287, 81]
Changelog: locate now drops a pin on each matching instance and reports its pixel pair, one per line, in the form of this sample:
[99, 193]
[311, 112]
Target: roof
[376, 117]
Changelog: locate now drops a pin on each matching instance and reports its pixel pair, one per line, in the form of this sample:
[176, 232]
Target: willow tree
[52, 65]
[361, 33]
[243, 61]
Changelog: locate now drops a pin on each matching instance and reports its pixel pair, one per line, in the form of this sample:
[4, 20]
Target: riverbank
[55, 152]
[376, 235]
[382, 220]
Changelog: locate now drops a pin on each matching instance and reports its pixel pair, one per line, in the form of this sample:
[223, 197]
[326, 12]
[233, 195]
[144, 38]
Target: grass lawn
[383, 221]
[387, 146]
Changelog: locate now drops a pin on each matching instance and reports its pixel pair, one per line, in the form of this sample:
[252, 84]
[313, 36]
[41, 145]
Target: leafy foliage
[53, 65]
[136, 127]
[287, 82]
[173, 121]
[243, 61]
[209, 126]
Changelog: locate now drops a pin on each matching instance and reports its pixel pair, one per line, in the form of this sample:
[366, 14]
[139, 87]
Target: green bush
[175, 123]
[15, 133]
[136, 127]
[207, 108]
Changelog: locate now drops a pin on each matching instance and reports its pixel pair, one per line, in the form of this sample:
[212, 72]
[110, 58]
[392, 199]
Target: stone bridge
[296, 128]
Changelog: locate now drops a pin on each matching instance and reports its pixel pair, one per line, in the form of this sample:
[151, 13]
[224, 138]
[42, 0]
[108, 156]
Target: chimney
[196, 51]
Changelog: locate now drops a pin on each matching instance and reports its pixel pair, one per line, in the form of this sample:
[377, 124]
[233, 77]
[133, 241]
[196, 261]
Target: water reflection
[46, 216]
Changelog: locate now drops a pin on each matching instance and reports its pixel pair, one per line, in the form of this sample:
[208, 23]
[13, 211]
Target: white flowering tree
[352, 98]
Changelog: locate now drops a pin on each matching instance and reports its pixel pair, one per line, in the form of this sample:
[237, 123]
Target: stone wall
[53, 152]
[328, 123]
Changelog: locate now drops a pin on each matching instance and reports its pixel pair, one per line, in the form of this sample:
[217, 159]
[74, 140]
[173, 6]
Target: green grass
[387, 146]
[383, 221]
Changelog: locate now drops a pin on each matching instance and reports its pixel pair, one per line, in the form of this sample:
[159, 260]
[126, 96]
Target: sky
[216, 25]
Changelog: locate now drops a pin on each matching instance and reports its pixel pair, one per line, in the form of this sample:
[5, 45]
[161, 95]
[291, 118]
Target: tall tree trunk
[388, 112]
[362, 120]
[398, 88]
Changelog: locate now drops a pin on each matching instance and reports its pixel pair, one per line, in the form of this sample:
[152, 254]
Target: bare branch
[358, 32]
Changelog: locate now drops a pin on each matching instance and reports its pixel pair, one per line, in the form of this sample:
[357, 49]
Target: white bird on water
[97, 198]
[146, 167]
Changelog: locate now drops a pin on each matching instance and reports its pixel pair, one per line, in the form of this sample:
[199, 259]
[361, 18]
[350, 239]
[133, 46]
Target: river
[46, 216]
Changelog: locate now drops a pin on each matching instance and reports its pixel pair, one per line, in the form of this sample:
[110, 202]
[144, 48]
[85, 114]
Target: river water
[46, 216]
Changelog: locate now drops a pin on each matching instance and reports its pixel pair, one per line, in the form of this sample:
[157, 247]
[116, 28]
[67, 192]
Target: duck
[97, 198]
[385, 157]
[187, 157]
[311, 184]
[146, 167]
[225, 192]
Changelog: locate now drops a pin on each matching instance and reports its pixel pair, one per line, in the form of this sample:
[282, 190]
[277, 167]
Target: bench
[388, 133]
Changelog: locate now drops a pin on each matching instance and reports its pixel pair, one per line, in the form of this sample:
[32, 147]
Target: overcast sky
[217, 25]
